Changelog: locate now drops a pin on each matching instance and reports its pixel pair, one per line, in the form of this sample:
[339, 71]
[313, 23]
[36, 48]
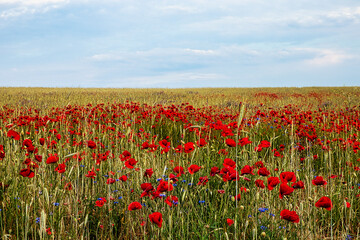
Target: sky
[179, 44]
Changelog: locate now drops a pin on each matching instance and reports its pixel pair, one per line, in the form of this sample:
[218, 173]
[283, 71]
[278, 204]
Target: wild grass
[123, 119]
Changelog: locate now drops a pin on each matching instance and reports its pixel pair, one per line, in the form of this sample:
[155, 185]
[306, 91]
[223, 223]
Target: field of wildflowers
[180, 163]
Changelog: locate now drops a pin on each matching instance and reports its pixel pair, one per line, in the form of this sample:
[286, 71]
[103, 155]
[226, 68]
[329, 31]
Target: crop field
[267, 163]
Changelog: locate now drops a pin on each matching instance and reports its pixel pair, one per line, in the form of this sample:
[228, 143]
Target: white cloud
[154, 53]
[178, 8]
[17, 8]
[32, 2]
[328, 57]
[106, 57]
[261, 22]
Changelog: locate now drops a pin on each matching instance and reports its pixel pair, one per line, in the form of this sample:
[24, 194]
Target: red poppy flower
[203, 180]
[244, 141]
[2, 152]
[134, 206]
[91, 144]
[99, 203]
[123, 178]
[229, 221]
[27, 143]
[173, 178]
[125, 155]
[285, 190]
[148, 172]
[324, 202]
[201, 142]
[214, 171]
[91, 174]
[319, 181]
[247, 170]
[263, 172]
[61, 168]
[291, 216]
[58, 136]
[229, 174]
[179, 149]
[179, 170]
[110, 181]
[264, 144]
[130, 163]
[243, 189]
[230, 142]
[228, 162]
[27, 172]
[38, 158]
[13, 134]
[172, 200]
[42, 141]
[193, 168]
[145, 145]
[156, 218]
[237, 197]
[260, 183]
[53, 158]
[164, 186]
[164, 143]
[147, 188]
[298, 185]
[286, 177]
[189, 147]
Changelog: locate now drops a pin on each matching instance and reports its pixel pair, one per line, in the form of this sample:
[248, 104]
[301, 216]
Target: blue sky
[171, 44]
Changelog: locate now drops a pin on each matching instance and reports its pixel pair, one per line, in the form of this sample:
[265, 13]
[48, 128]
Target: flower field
[180, 164]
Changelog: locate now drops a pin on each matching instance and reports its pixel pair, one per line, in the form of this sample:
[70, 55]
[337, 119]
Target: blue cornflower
[183, 181]
[348, 237]
[263, 209]
[120, 197]
[37, 220]
[174, 184]
[159, 179]
[263, 227]
[82, 165]
[271, 214]
[56, 204]
[249, 216]
[202, 201]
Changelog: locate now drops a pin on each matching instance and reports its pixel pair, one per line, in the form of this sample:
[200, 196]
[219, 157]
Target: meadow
[266, 163]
